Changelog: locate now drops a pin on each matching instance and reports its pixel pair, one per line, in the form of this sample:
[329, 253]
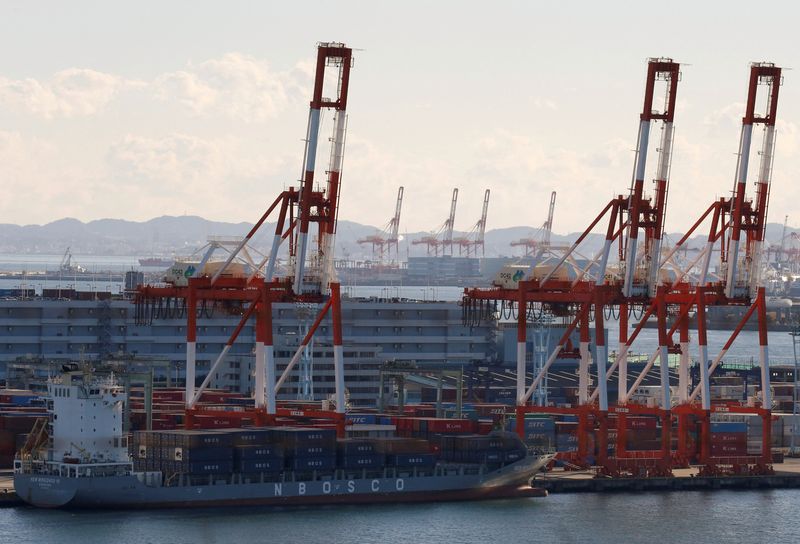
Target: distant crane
[442, 238]
[781, 249]
[470, 243]
[383, 241]
[533, 244]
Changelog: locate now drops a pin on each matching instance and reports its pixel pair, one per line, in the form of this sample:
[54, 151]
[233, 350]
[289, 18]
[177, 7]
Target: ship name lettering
[351, 486]
[301, 488]
[376, 485]
[278, 490]
[326, 487]
[399, 484]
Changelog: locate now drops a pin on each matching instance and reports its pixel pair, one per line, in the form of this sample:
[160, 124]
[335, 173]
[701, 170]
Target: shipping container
[274, 464]
[361, 419]
[397, 445]
[362, 461]
[722, 450]
[407, 460]
[258, 452]
[179, 453]
[326, 462]
[196, 438]
[728, 438]
[292, 437]
[348, 446]
[534, 425]
[203, 467]
[644, 422]
[253, 437]
[728, 427]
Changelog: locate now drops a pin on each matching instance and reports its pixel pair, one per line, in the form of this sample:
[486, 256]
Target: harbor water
[722, 516]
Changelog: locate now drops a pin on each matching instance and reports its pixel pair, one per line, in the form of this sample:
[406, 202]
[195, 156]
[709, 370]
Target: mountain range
[181, 235]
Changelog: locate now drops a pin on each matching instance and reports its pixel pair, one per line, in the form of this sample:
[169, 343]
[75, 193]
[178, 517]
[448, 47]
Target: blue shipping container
[252, 437]
[369, 460]
[197, 454]
[274, 464]
[354, 447]
[258, 452]
[205, 467]
[728, 427]
[310, 451]
[424, 460]
[539, 425]
[292, 436]
[361, 419]
[514, 456]
[322, 462]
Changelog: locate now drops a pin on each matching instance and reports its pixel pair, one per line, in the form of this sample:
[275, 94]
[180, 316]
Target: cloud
[237, 86]
[543, 103]
[372, 173]
[724, 121]
[69, 93]
[212, 177]
[234, 86]
[39, 183]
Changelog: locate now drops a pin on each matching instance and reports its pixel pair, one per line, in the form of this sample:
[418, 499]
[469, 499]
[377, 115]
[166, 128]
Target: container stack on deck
[263, 453]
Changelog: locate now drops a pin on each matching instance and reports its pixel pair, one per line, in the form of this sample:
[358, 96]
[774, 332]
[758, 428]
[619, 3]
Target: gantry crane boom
[548, 226]
[532, 243]
[447, 239]
[383, 241]
[394, 224]
[743, 274]
[642, 212]
[443, 237]
[476, 236]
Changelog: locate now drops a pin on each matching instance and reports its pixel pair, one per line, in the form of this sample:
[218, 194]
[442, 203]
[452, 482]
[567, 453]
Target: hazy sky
[135, 110]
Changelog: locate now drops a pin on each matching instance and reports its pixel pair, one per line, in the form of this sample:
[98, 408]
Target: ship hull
[130, 492]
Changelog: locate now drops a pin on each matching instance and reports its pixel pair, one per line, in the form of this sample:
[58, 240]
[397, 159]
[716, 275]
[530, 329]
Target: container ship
[80, 457]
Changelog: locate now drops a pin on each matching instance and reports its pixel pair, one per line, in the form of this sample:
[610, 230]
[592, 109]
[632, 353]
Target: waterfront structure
[375, 330]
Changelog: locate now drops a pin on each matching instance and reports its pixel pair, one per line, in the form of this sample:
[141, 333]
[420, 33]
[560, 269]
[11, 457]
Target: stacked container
[729, 439]
[308, 449]
[257, 451]
[353, 454]
[540, 432]
[643, 433]
[405, 453]
[493, 450]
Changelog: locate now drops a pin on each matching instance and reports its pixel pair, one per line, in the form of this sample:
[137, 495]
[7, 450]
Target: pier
[787, 475]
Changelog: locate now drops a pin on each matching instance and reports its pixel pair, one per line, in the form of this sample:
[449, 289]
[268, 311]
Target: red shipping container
[446, 426]
[485, 427]
[640, 422]
[566, 427]
[726, 450]
[734, 439]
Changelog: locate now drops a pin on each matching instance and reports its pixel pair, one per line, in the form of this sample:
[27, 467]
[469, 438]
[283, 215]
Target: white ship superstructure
[85, 420]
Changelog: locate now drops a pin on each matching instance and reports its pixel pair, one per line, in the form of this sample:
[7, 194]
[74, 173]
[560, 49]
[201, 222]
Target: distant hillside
[181, 235]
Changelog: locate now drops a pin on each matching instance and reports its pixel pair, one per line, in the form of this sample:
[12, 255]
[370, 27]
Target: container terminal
[681, 427]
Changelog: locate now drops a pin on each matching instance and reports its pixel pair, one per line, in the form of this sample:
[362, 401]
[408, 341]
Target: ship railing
[177, 479]
[71, 470]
